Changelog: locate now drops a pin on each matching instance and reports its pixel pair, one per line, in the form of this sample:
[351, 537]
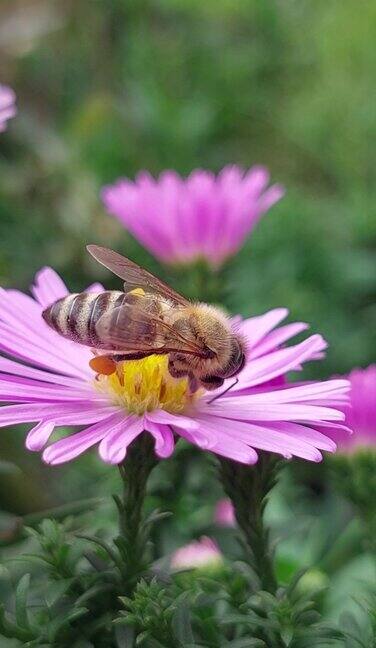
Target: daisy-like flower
[181, 220]
[7, 105]
[49, 383]
[361, 416]
[224, 514]
[201, 553]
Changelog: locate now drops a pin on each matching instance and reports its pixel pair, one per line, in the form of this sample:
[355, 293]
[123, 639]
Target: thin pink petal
[243, 408]
[17, 369]
[164, 439]
[63, 413]
[72, 446]
[48, 287]
[113, 447]
[14, 389]
[166, 418]
[39, 435]
[279, 362]
[263, 437]
[275, 338]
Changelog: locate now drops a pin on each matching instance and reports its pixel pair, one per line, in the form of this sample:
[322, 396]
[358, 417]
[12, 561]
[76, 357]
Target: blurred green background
[109, 87]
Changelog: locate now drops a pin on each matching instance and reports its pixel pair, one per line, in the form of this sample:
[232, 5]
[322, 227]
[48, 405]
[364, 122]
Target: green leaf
[21, 602]
[181, 621]
[100, 588]
[55, 590]
[107, 548]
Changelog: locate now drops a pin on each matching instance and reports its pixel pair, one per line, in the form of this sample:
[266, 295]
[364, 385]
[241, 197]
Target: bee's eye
[235, 365]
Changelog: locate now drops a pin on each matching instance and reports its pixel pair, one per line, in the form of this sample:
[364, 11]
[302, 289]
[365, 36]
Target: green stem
[248, 488]
[133, 541]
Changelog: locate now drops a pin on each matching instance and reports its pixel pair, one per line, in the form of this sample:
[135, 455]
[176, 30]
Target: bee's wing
[134, 328]
[133, 274]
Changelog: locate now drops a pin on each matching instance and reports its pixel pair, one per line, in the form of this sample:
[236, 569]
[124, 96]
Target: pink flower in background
[49, 383]
[7, 105]
[201, 553]
[203, 216]
[361, 416]
[224, 513]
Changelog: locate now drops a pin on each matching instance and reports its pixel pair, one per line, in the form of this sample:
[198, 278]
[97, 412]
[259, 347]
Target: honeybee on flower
[149, 318]
[46, 380]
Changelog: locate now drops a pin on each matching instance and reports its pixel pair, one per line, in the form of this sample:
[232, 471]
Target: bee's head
[236, 359]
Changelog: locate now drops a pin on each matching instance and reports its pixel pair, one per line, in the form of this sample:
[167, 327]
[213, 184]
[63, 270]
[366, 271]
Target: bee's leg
[211, 382]
[175, 370]
[138, 355]
[193, 384]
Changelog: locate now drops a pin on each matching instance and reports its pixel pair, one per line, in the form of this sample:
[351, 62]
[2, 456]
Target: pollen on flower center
[145, 385]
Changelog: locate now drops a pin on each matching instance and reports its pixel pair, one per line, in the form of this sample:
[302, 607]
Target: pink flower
[7, 105]
[224, 513]
[49, 383]
[361, 416]
[200, 217]
[201, 553]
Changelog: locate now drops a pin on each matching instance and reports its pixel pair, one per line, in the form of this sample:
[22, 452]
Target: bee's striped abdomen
[76, 315]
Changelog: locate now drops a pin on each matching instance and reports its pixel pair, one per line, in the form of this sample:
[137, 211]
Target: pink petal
[166, 418]
[72, 446]
[275, 338]
[243, 408]
[263, 437]
[327, 390]
[62, 413]
[95, 288]
[164, 439]
[39, 435]
[270, 197]
[279, 362]
[48, 287]
[113, 447]
[18, 369]
[14, 389]
[23, 333]
[256, 328]
[208, 437]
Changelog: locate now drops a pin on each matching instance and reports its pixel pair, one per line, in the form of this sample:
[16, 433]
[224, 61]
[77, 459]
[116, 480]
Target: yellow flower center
[145, 385]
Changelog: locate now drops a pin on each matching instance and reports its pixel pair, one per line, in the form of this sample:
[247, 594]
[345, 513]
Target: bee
[147, 318]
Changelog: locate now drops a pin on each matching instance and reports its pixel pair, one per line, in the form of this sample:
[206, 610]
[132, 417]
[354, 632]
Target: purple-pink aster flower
[361, 416]
[200, 217]
[49, 383]
[195, 555]
[7, 105]
[224, 514]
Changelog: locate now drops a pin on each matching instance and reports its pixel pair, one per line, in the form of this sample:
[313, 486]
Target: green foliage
[355, 477]
[249, 491]
[285, 620]
[359, 635]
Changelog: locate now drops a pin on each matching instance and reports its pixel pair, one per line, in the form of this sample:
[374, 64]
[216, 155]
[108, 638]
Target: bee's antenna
[224, 392]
